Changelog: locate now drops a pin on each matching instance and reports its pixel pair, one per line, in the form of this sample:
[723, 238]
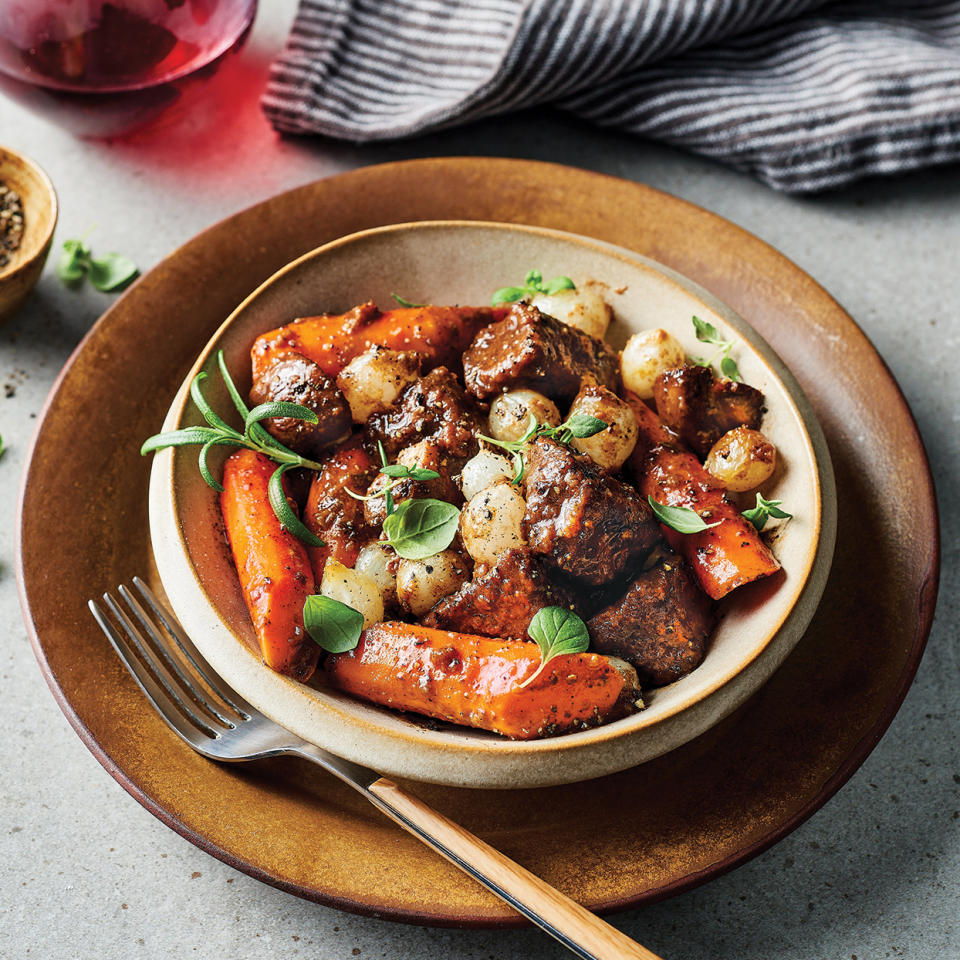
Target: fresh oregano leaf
[764, 510]
[557, 284]
[532, 285]
[556, 631]
[420, 528]
[71, 267]
[111, 272]
[728, 367]
[681, 519]
[331, 624]
[581, 426]
[507, 295]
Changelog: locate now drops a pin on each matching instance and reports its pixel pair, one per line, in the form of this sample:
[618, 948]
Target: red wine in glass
[102, 68]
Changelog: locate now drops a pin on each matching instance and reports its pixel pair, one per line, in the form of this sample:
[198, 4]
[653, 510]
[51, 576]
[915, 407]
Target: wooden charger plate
[633, 837]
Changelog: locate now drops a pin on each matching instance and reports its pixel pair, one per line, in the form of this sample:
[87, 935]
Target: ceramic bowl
[463, 262]
[39, 201]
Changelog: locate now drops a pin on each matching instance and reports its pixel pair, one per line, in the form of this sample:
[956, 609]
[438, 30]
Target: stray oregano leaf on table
[109, 273]
[254, 436]
[580, 426]
[708, 333]
[764, 510]
[681, 519]
[556, 631]
[532, 285]
[332, 625]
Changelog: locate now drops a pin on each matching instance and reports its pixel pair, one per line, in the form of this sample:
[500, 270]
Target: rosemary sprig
[254, 437]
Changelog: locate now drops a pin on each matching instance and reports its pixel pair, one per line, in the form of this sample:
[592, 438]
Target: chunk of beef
[585, 522]
[530, 349]
[429, 455]
[500, 603]
[660, 625]
[295, 379]
[331, 513]
[700, 407]
[434, 408]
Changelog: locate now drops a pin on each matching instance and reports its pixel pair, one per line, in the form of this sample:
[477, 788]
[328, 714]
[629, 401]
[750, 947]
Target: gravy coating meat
[434, 408]
[429, 455]
[586, 523]
[660, 625]
[530, 349]
[295, 379]
[331, 513]
[501, 602]
[701, 407]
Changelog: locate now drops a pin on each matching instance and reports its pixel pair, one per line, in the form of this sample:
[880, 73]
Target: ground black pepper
[11, 223]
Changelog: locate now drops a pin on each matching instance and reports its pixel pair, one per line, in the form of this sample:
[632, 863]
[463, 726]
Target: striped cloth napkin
[804, 94]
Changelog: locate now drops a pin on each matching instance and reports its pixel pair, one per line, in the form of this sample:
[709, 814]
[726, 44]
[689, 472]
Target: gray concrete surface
[86, 873]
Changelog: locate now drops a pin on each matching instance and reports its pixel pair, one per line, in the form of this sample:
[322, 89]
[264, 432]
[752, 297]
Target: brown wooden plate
[691, 814]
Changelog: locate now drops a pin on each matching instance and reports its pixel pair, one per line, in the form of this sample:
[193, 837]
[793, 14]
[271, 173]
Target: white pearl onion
[354, 589]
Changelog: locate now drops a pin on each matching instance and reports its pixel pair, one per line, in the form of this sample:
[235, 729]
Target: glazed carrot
[332, 514]
[722, 557]
[274, 569]
[475, 681]
[332, 341]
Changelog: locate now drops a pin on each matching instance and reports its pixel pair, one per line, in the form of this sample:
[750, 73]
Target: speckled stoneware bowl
[463, 262]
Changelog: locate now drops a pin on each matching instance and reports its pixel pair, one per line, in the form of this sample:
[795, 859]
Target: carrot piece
[272, 563]
[332, 514]
[441, 334]
[723, 557]
[475, 681]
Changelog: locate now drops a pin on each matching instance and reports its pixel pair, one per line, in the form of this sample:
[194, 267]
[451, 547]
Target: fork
[217, 722]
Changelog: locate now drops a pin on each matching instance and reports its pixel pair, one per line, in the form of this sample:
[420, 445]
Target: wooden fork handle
[574, 926]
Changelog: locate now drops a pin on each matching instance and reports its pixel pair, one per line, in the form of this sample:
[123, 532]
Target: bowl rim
[806, 589]
[28, 253]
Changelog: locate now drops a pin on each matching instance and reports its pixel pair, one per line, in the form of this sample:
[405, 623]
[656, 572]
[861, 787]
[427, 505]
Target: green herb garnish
[405, 303]
[111, 272]
[418, 529]
[579, 426]
[532, 285]
[764, 510]
[557, 631]
[399, 473]
[708, 333]
[254, 437]
[2, 447]
[332, 624]
[681, 519]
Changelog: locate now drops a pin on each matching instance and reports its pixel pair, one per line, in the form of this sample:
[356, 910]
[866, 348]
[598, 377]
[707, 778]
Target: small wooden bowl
[39, 201]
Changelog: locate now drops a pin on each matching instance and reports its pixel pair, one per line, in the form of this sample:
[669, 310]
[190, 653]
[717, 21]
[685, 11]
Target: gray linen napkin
[804, 94]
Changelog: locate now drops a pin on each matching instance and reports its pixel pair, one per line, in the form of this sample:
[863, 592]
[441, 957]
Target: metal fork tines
[217, 722]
